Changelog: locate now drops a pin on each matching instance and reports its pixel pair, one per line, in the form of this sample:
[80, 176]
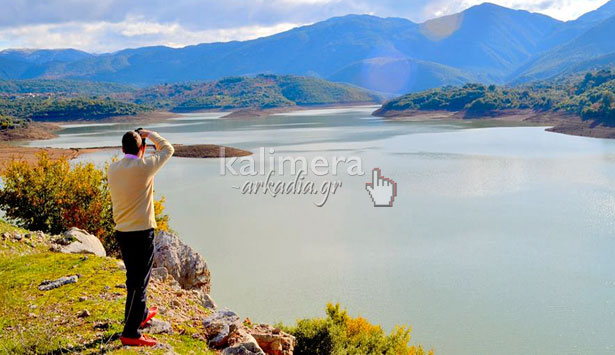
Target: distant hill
[62, 87]
[259, 92]
[485, 43]
[591, 97]
[22, 101]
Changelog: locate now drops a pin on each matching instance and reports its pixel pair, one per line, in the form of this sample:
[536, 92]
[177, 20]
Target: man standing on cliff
[131, 181]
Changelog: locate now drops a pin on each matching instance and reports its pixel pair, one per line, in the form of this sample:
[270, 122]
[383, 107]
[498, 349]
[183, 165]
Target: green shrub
[339, 334]
[52, 196]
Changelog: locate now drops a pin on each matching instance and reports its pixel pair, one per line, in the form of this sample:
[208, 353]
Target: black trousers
[138, 254]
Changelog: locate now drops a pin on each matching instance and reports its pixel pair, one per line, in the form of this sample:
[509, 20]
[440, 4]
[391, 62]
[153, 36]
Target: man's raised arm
[164, 151]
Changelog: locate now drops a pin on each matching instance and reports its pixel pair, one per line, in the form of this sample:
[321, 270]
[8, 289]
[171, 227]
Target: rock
[182, 263]
[168, 349]
[78, 241]
[207, 301]
[120, 265]
[217, 327]
[50, 285]
[17, 236]
[242, 342]
[83, 314]
[224, 331]
[159, 273]
[27, 235]
[83, 298]
[156, 326]
[272, 340]
[250, 348]
[102, 326]
[6, 235]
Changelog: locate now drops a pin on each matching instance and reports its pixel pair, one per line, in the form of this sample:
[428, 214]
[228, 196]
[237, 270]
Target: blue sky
[109, 25]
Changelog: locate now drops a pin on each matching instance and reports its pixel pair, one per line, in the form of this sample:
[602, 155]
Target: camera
[143, 143]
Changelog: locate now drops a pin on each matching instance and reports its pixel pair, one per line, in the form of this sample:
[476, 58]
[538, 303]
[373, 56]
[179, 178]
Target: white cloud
[107, 37]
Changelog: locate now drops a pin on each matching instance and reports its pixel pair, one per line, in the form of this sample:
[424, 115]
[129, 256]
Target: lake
[501, 239]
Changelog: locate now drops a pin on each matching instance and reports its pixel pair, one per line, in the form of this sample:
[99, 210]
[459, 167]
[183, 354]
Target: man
[131, 181]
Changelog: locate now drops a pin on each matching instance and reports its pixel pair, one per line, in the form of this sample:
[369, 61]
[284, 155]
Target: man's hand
[144, 133]
[382, 190]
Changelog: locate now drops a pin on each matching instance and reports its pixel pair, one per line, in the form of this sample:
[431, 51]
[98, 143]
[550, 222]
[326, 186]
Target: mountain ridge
[487, 43]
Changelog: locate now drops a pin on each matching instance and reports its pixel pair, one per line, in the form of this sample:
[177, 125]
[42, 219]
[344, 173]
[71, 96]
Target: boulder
[218, 327]
[224, 331]
[184, 264]
[241, 342]
[250, 348]
[272, 340]
[78, 241]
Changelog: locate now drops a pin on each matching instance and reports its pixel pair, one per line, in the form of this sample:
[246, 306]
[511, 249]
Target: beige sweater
[132, 187]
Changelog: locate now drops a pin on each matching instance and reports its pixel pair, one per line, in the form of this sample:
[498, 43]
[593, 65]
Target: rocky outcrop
[182, 263]
[224, 331]
[272, 340]
[176, 260]
[78, 241]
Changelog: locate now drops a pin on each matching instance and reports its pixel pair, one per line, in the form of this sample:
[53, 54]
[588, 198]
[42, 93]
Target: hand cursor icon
[382, 190]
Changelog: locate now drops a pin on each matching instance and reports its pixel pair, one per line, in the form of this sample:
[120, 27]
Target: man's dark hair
[131, 142]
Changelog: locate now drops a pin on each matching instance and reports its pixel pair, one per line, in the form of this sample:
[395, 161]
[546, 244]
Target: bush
[52, 196]
[339, 334]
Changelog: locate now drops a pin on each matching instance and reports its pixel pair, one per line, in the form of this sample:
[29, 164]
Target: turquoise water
[501, 240]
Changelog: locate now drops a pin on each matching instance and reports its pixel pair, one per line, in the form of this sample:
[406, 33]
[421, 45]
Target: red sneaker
[151, 313]
[142, 341]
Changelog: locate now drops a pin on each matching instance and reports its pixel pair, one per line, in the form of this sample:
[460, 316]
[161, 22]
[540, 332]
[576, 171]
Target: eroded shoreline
[558, 122]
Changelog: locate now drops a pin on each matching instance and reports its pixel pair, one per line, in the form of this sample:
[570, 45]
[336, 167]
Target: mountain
[487, 39]
[393, 75]
[40, 56]
[596, 16]
[485, 43]
[318, 50]
[593, 44]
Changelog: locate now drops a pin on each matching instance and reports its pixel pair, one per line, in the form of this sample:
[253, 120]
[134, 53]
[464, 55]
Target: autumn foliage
[340, 334]
[54, 195]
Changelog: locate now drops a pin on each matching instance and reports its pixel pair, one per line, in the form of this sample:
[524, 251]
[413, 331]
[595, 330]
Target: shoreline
[9, 153]
[250, 113]
[558, 122]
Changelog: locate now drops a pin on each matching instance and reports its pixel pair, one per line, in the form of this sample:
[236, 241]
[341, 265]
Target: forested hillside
[62, 87]
[591, 96]
[260, 92]
[61, 100]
